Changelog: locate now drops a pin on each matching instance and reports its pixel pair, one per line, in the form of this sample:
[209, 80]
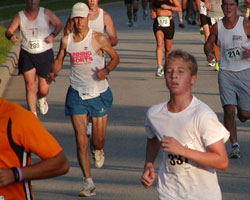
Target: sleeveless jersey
[230, 42]
[33, 33]
[158, 3]
[84, 61]
[97, 24]
[203, 9]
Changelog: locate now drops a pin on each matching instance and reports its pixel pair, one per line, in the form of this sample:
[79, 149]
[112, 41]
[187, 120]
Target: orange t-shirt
[21, 134]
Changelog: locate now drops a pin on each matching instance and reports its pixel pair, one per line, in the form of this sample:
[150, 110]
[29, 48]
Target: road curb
[7, 69]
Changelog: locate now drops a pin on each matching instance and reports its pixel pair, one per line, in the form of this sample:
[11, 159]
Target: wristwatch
[107, 70]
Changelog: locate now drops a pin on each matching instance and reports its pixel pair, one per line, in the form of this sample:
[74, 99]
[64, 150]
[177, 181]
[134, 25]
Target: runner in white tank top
[232, 35]
[86, 96]
[36, 55]
[231, 43]
[99, 21]
[34, 32]
[84, 60]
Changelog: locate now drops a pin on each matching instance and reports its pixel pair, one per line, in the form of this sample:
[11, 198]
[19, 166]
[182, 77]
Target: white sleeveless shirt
[84, 61]
[230, 42]
[33, 33]
[98, 24]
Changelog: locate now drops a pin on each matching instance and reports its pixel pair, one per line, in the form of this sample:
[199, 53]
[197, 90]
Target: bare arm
[104, 45]
[51, 18]
[152, 149]
[152, 9]
[216, 157]
[246, 52]
[208, 4]
[58, 62]
[110, 29]
[43, 169]
[208, 46]
[198, 2]
[175, 8]
[14, 25]
[68, 27]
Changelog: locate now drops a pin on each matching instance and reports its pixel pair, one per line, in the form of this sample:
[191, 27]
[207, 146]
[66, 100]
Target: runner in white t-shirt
[190, 136]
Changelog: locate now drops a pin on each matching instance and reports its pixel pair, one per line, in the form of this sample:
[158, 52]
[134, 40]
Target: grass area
[10, 7]
[5, 46]
[17, 5]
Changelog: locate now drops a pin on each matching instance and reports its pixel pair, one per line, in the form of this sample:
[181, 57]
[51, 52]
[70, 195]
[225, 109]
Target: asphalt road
[135, 88]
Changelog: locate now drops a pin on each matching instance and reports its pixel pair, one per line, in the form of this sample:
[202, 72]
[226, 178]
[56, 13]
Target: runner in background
[36, 55]
[163, 27]
[132, 8]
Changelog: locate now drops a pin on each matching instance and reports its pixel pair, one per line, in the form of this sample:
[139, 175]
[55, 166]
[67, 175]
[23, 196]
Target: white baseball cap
[79, 10]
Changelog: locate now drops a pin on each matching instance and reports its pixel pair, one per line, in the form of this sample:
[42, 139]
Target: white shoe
[89, 129]
[88, 190]
[130, 24]
[98, 157]
[43, 105]
[160, 71]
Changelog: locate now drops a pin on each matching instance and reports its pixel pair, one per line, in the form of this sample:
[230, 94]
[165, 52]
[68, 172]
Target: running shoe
[202, 31]
[130, 24]
[235, 153]
[135, 18]
[145, 14]
[43, 105]
[181, 25]
[98, 158]
[160, 71]
[88, 190]
[89, 129]
[212, 63]
[216, 67]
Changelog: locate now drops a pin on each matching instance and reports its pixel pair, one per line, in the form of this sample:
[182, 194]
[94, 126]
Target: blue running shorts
[95, 107]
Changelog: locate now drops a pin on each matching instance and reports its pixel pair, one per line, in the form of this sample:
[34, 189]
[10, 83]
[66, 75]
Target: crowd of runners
[183, 127]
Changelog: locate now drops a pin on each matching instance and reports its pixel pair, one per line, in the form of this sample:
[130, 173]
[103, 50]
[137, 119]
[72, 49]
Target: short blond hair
[186, 57]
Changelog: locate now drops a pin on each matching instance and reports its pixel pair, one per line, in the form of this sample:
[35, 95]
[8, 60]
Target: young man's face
[178, 77]
[32, 3]
[229, 8]
[80, 23]
[92, 3]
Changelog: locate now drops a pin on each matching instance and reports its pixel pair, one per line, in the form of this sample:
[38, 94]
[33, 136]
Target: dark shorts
[129, 1]
[168, 31]
[42, 62]
[205, 20]
[95, 107]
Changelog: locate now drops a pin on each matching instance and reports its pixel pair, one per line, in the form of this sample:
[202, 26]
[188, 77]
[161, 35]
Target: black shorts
[168, 31]
[205, 20]
[42, 62]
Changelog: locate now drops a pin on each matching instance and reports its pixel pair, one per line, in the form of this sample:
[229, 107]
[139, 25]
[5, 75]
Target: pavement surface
[135, 88]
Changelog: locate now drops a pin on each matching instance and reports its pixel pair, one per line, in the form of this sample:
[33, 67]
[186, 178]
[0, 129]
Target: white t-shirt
[196, 127]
